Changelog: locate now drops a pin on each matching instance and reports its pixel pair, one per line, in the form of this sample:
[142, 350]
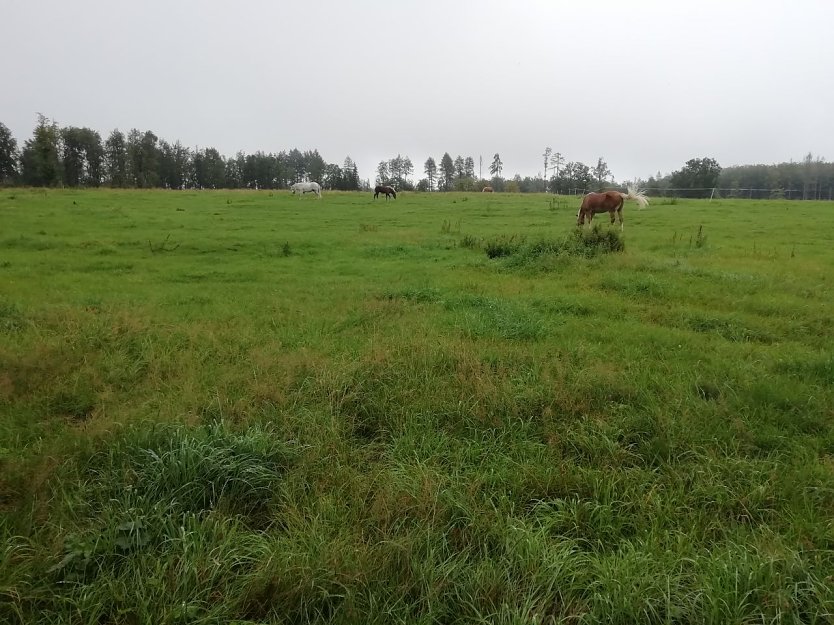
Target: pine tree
[40, 160]
[497, 166]
[430, 167]
[447, 169]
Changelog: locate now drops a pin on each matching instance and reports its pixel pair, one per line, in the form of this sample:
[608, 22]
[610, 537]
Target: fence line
[718, 192]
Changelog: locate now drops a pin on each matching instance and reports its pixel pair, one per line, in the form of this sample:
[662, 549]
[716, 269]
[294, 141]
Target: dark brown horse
[610, 202]
[487, 190]
[386, 190]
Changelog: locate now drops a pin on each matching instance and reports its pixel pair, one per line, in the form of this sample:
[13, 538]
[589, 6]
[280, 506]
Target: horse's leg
[620, 215]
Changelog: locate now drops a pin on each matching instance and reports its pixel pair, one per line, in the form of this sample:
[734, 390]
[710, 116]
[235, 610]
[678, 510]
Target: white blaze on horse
[304, 187]
[610, 202]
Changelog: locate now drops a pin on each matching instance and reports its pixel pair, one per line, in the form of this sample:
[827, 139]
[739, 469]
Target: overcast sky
[644, 84]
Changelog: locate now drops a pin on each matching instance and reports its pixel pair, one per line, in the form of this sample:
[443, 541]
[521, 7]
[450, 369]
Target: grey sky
[644, 84]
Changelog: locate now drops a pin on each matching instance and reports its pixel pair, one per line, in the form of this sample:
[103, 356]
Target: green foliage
[447, 173]
[396, 172]
[76, 157]
[698, 174]
[808, 179]
[8, 155]
[82, 157]
[573, 177]
[430, 167]
[496, 167]
[40, 160]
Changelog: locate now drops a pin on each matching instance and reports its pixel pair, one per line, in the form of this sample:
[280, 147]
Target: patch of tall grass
[581, 242]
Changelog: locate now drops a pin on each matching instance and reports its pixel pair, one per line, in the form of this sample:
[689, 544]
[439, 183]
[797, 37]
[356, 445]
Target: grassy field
[245, 407]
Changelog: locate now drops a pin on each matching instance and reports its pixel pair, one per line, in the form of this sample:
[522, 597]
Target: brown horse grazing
[386, 190]
[487, 190]
[610, 202]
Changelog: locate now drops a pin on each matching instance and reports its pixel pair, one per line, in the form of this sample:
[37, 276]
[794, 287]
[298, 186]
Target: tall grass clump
[597, 240]
[585, 243]
[186, 469]
[141, 513]
[505, 245]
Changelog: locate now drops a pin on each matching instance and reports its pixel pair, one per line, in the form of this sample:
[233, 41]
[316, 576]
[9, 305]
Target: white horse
[304, 187]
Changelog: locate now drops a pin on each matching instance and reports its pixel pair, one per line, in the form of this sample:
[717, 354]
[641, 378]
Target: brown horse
[610, 202]
[487, 190]
[386, 190]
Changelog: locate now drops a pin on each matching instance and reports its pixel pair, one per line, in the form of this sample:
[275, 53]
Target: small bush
[598, 241]
[503, 246]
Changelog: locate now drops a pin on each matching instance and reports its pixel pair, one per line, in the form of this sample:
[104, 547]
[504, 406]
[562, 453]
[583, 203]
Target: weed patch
[415, 295]
[11, 317]
[581, 242]
[729, 328]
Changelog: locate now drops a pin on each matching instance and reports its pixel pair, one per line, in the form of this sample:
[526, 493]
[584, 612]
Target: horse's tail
[636, 195]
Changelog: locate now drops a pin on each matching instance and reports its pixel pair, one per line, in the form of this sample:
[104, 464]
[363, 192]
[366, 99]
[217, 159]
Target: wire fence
[728, 192]
[731, 192]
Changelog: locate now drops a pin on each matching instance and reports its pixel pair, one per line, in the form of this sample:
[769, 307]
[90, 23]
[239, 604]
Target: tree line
[809, 179]
[77, 157]
[568, 177]
[73, 156]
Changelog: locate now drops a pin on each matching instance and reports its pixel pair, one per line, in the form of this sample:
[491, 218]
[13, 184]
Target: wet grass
[243, 407]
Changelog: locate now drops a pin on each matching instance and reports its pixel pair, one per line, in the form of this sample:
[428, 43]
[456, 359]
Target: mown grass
[243, 407]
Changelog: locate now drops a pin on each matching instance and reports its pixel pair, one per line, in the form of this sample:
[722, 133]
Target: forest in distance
[70, 156]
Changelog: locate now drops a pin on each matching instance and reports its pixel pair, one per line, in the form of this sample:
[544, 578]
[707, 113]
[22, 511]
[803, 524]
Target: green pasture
[246, 407]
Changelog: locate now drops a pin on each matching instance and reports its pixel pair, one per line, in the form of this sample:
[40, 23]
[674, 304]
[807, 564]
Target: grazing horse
[386, 190]
[610, 202]
[303, 187]
[487, 190]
